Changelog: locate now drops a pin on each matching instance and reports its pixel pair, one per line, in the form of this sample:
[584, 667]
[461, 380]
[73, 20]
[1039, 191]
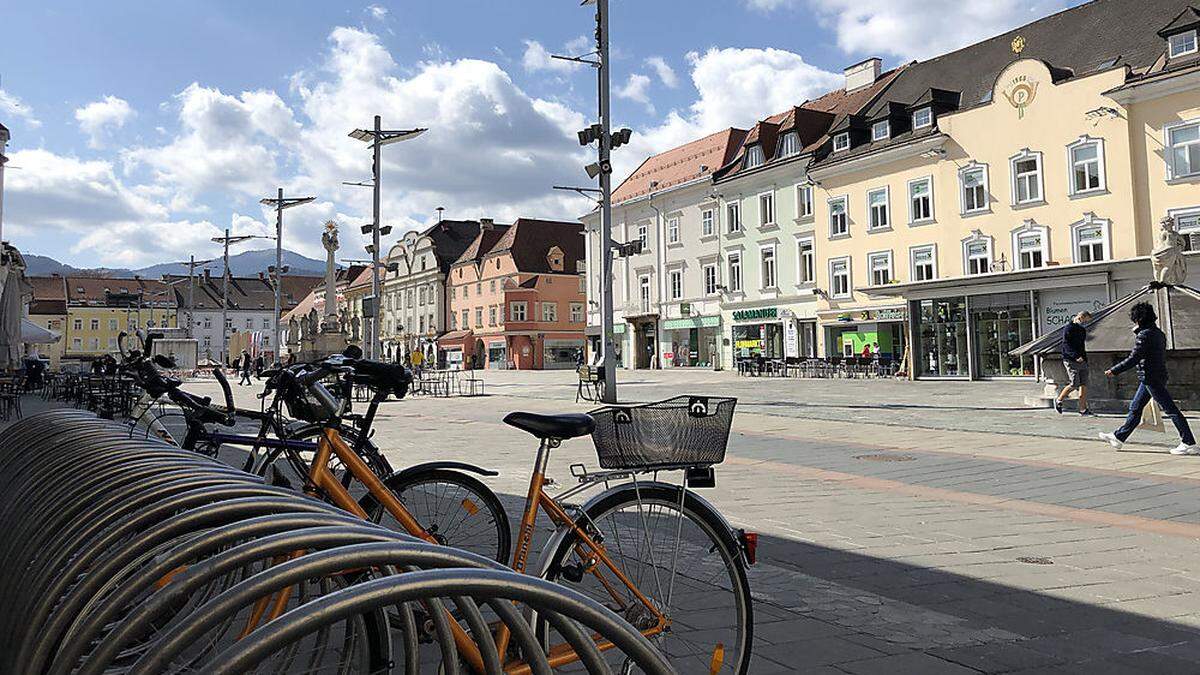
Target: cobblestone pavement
[904, 527]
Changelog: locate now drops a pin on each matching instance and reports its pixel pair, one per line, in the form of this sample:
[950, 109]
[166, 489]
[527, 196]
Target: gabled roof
[483, 243]
[1189, 18]
[530, 240]
[245, 293]
[48, 288]
[100, 291]
[450, 239]
[680, 165]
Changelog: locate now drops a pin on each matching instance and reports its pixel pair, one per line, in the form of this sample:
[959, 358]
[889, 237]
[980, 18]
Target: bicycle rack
[125, 553]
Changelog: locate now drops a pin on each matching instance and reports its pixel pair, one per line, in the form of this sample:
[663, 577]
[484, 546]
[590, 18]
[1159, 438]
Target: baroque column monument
[329, 339]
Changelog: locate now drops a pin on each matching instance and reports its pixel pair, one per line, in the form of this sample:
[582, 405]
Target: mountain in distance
[245, 264]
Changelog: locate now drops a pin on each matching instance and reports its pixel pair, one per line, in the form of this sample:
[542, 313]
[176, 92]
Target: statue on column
[330, 241]
[1170, 267]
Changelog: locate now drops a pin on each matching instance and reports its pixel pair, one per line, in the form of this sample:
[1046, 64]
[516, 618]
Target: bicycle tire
[714, 528]
[485, 501]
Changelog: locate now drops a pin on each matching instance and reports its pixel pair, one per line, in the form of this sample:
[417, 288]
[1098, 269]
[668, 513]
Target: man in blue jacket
[1149, 355]
[1074, 356]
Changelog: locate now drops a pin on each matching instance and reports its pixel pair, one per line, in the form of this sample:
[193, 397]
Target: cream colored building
[992, 192]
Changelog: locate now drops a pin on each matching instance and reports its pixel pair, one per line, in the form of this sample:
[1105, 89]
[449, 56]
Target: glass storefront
[497, 356]
[942, 338]
[883, 340]
[754, 340]
[560, 354]
[693, 347]
[1001, 323]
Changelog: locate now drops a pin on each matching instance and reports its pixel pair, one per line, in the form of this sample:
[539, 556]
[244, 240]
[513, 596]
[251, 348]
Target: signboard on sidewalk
[791, 339]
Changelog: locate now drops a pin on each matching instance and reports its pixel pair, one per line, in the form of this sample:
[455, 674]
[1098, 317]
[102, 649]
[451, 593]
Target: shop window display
[942, 326]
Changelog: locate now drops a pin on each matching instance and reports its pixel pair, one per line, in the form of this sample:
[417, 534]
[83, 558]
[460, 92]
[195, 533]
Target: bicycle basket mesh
[677, 432]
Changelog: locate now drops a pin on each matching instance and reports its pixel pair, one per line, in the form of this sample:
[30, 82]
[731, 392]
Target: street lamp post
[378, 137]
[226, 241]
[191, 264]
[280, 203]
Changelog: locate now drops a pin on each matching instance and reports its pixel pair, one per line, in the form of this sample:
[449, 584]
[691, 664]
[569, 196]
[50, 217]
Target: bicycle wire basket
[683, 431]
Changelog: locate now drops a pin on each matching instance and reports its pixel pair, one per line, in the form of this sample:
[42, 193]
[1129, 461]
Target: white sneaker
[1185, 449]
[1113, 440]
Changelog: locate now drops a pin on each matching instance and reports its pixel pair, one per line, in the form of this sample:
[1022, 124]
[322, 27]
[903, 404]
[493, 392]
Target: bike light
[749, 545]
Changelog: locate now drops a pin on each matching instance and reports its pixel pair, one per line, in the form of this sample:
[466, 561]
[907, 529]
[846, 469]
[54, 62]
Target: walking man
[245, 368]
[1149, 355]
[1074, 355]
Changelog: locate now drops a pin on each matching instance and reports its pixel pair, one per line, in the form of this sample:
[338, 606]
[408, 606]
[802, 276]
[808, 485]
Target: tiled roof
[483, 243]
[246, 293]
[48, 288]
[680, 165]
[450, 239]
[529, 242]
[98, 290]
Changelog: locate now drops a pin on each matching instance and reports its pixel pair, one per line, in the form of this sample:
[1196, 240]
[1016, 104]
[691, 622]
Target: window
[208, 322]
[549, 312]
[790, 144]
[1188, 226]
[422, 325]
[841, 142]
[453, 323]
[977, 255]
[839, 219]
[1182, 44]
[922, 118]
[839, 278]
[95, 344]
[1027, 177]
[767, 263]
[920, 200]
[880, 266]
[77, 324]
[644, 292]
[804, 201]
[492, 315]
[492, 285]
[421, 295]
[1183, 150]
[880, 131]
[576, 312]
[710, 279]
[673, 230]
[478, 318]
[112, 343]
[466, 320]
[806, 262]
[77, 343]
[249, 323]
[95, 324]
[519, 311]
[766, 209]
[974, 189]
[877, 205]
[734, 213]
[675, 283]
[924, 263]
[1086, 157]
[707, 224]
[478, 290]
[735, 272]
[1091, 241]
[754, 156]
[1030, 248]
[643, 234]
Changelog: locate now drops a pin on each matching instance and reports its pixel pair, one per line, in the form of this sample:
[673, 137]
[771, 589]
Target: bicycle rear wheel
[457, 509]
[682, 557]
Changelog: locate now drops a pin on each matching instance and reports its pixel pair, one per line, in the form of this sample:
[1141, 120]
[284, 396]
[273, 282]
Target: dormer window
[880, 131]
[754, 156]
[841, 142]
[922, 118]
[790, 144]
[1182, 44]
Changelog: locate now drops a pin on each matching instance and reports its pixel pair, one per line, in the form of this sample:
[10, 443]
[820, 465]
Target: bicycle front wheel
[681, 557]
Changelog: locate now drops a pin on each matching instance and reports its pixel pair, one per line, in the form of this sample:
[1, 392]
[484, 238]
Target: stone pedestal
[1112, 395]
[323, 344]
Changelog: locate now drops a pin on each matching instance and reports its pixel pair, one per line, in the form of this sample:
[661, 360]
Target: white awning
[31, 333]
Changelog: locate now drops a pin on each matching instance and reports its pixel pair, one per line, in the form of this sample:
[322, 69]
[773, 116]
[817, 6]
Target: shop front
[693, 341]
[757, 333]
[458, 346]
[593, 343]
[866, 333]
[497, 354]
[561, 353]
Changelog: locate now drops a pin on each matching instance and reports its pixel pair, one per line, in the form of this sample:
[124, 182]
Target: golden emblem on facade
[1020, 94]
[1018, 44]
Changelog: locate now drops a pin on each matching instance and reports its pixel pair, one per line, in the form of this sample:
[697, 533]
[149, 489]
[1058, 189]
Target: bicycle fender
[453, 466]
[694, 500]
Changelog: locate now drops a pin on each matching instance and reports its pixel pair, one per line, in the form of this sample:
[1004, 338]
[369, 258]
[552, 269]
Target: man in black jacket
[1074, 355]
[1149, 355]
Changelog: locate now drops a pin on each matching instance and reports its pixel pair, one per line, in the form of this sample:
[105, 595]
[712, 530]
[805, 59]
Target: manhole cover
[885, 457]
[1035, 561]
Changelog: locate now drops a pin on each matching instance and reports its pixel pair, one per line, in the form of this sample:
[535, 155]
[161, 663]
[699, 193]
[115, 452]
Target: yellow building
[992, 192]
[100, 309]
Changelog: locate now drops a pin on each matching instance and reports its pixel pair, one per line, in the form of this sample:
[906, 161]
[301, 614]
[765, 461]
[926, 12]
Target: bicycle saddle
[560, 427]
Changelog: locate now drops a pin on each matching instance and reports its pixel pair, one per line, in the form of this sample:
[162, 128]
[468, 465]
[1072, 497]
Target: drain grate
[1035, 561]
[885, 457]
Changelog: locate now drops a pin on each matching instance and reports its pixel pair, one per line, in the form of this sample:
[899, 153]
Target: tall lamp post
[226, 241]
[377, 137]
[191, 263]
[280, 203]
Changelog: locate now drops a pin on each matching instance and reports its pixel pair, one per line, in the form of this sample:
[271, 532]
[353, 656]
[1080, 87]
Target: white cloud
[771, 5]
[917, 29]
[98, 118]
[12, 106]
[537, 58]
[635, 89]
[377, 12]
[664, 71]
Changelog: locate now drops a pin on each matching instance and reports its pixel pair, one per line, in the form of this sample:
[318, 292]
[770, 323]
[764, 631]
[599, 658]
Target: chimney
[487, 224]
[862, 74]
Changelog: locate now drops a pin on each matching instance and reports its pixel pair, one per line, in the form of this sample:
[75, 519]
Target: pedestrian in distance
[245, 368]
[259, 364]
[1074, 356]
[1149, 356]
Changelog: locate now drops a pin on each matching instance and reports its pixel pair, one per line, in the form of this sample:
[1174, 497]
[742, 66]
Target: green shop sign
[756, 314]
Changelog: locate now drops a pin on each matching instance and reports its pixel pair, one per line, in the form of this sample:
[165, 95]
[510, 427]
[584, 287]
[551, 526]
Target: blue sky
[142, 129]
